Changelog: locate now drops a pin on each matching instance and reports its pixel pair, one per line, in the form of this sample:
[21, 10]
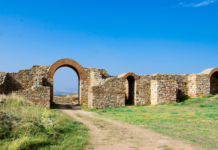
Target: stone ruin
[98, 89]
[69, 99]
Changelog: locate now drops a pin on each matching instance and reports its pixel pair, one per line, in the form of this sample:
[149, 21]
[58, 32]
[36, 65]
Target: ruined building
[98, 89]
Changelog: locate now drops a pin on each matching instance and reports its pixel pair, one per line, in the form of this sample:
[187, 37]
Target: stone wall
[2, 77]
[110, 94]
[143, 86]
[3, 86]
[198, 84]
[98, 89]
[163, 91]
[142, 95]
[69, 99]
[29, 83]
[38, 95]
[25, 79]
[95, 77]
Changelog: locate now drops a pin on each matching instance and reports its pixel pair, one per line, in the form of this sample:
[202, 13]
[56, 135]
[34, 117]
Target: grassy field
[195, 120]
[25, 126]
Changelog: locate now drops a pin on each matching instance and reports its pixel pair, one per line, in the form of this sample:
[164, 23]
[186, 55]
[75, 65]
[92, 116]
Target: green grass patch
[195, 120]
[26, 126]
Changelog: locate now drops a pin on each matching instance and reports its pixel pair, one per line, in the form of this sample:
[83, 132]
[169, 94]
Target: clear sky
[140, 36]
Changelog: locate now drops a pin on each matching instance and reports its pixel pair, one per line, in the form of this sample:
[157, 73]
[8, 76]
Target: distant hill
[63, 92]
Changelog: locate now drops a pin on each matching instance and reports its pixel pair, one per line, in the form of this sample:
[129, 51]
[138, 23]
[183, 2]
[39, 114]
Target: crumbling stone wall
[99, 90]
[143, 86]
[142, 95]
[198, 84]
[110, 94]
[3, 86]
[38, 95]
[2, 77]
[29, 84]
[163, 91]
[95, 77]
[69, 99]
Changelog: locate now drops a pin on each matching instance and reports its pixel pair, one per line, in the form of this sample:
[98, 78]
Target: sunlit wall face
[65, 81]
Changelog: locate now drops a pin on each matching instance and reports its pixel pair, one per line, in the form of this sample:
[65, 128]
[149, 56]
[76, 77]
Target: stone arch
[213, 74]
[130, 79]
[66, 63]
[125, 75]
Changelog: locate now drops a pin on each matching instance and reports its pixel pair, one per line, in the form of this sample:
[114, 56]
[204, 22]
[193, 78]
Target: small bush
[5, 125]
[197, 100]
[212, 115]
[174, 113]
[208, 96]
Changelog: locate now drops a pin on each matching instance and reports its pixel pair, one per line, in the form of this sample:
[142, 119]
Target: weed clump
[208, 96]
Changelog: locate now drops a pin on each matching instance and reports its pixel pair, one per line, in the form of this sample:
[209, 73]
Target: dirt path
[106, 134]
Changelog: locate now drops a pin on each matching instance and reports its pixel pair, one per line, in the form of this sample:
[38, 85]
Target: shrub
[208, 96]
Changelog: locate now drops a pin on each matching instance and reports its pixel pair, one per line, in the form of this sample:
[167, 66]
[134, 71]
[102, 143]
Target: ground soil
[106, 134]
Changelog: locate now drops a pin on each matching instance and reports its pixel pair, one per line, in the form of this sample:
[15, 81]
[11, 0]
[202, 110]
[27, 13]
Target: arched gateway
[66, 63]
[213, 74]
[130, 79]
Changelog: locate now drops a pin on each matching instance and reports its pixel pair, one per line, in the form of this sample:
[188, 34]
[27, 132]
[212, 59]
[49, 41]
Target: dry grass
[26, 126]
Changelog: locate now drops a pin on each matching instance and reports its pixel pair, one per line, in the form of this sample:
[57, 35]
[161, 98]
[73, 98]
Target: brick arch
[213, 71]
[210, 71]
[67, 63]
[213, 75]
[125, 75]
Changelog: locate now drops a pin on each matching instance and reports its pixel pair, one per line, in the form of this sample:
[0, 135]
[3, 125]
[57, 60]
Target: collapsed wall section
[29, 83]
[69, 99]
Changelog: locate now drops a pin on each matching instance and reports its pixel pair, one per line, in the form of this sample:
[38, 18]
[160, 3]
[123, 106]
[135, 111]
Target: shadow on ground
[66, 106]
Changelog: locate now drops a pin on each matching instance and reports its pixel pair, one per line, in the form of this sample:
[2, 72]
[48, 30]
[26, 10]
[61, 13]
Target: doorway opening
[214, 83]
[66, 62]
[65, 86]
[130, 90]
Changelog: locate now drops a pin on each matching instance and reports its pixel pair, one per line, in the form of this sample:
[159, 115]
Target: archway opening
[214, 83]
[130, 90]
[65, 86]
[66, 62]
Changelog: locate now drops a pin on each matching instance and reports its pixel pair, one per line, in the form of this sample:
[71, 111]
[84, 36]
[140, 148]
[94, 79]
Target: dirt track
[106, 134]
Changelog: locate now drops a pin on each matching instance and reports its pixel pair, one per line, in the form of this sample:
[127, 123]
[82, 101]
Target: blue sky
[144, 37]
